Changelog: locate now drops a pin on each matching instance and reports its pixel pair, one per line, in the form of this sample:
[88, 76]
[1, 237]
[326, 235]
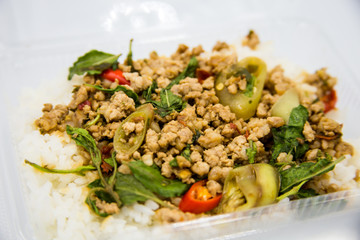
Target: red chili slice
[83, 104]
[329, 100]
[113, 75]
[198, 199]
[202, 74]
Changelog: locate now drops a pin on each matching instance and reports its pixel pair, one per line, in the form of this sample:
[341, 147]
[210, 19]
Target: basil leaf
[196, 136]
[154, 181]
[105, 191]
[289, 138]
[168, 100]
[251, 152]
[291, 192]
[78, 170]
[250, 83]
[129, 60]
[84, 139]
[130, 190]
[168, 103]
[128, 92]
[92, 122]
[185, 153]
[150, 90]
[190, 71]
[109, 161]
[306, 193]
[92, 62]
[94, 184]
[92, 205]
[173, 163]
[100, 191]
[305, 171]
[298, 117]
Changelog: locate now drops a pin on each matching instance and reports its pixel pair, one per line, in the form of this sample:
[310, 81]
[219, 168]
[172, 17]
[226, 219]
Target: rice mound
[56, 201]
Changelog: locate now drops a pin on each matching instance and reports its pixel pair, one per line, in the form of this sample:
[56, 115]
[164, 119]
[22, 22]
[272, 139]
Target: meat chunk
[208, 83]
[322, 81]
[210, 138]
[162, 82]
[188, 118]
[120, 106]
[81, 95]
[138, 83]
[277, 82]
[258, 128]
[220, 46]
[329, 127]
[237, 148]
[52, 118]
[275, 121]
[188, 88]
[159, 67]
[175, 134]
[251, 40]
[308, 132]
[217, 156]
[218, 113]
[195, 156]
[214, 187]
[109, 130]
[200, 168]
[207, 97]
[104, 207]
[167, 215]
[218, 173]
[344, 148]
[220, 62]
[151, 141]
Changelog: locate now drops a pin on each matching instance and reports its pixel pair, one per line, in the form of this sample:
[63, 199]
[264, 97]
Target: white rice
[56, 202]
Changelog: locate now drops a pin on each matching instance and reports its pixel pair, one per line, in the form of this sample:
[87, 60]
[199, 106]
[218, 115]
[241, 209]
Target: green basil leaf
[84, 139]
[150, 90]
[109, 161]
[298, 117]
[169, 102]
[186, 152]
[251, 152]
[129, 60]
[155, 182]
[306, 193]
[130, 190]
[293, 191]
[190, 71]
[305, 171]
[196, 136]
[128, 92]
[289, 138]
[78, 170]
[250, 83]
[100, 191]
[92, 122]
[92, 205]
[92, 62]
[173, 163]
[94, 184]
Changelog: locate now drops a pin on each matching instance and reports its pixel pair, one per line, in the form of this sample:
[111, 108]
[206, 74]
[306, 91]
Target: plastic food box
[32, 53]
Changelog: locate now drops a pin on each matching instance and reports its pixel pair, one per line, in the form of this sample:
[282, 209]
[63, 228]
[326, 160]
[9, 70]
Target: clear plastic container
[41, 40]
